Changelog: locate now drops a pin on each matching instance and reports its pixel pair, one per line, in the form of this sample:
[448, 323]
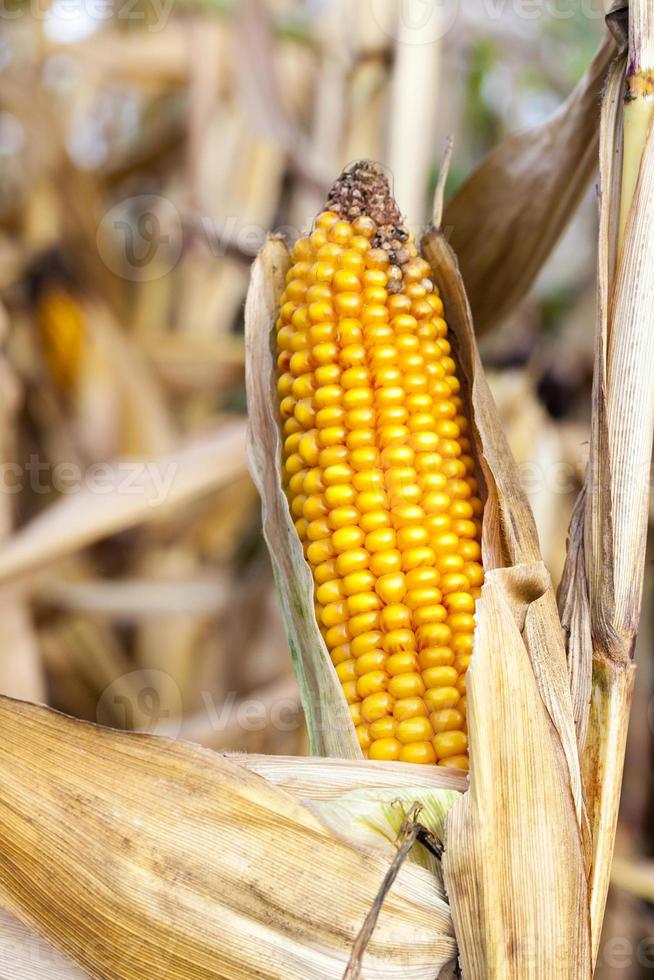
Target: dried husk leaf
[328, 779]
[373, 818]
[514, 864]
[26, 956]
[137, 857]
[330, 728]
[505, 220]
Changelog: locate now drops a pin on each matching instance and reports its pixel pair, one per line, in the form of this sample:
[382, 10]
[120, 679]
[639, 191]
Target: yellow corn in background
[62, 328]
[379, 479]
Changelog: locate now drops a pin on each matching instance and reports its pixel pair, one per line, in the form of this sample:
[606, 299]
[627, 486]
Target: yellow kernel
[426, 596]
[327, 374]
[339, 473]
[423, 615]
[460, 602]
[317, 529]
[414, 730]
[341, 517]
[382, 728]
[450, 743]
[356, 377]
[465, 528]
[395, 616]
[384, 562]
[474, 573]
[363, 602]
[447, 720]
[340, 653]
[434, 635]
[440, 677]
[337, 636]
[319, 551]
[415, 557]
[435, 657]
[461, 623]
[382, 539]
[355, 713]
[347, 538]
[463, 643]
[371, 500]
[324, 572]
[449, 563]
[339, 495]
[438, 698]
[377, 706]
[340, 232]
[374, 519]
[374, 682]
[350, 692]
[364, 736]
[375, 660]
[406, 685]
[391, 588]
[366, 642]
[328, 396]
[354, 560]
[423, 577]
[347, 304]
[346, 671]
[421, 753]
[370, 481]
[329, 592]
[385, 750]
[470, 550]
[399, 640]
[363, 623]
[334, 613]
[346, 281]
[412, 707]
[358, 582]
[456, 762]
[401, 663]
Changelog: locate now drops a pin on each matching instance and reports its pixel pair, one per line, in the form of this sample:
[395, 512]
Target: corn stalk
[601, 592]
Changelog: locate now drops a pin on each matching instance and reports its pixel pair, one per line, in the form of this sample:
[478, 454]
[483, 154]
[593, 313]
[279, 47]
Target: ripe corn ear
[378, 472]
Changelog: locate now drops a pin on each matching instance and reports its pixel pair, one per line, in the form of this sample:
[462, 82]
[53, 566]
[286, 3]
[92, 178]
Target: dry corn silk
[378, 471]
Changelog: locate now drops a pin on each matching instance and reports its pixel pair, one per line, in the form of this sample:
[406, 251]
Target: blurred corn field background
[146, 148]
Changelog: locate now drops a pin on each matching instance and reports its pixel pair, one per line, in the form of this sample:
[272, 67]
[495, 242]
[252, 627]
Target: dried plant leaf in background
[138, 491]
[508, 216]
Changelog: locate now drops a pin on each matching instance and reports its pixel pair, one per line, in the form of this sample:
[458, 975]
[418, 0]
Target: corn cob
[378, 472]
